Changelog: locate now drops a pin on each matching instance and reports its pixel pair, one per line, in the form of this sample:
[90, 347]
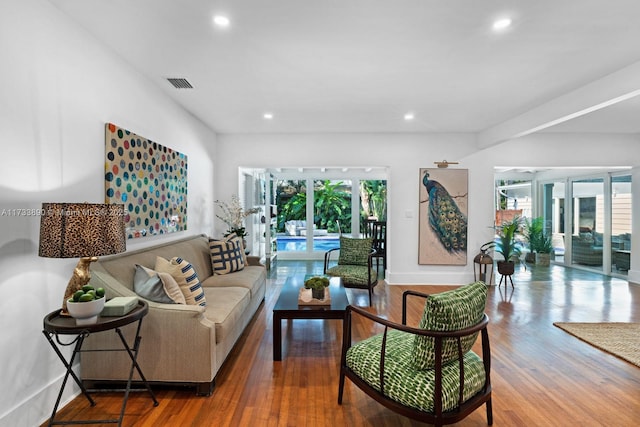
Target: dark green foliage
[331, 204]
[506, 241]
[534, 233]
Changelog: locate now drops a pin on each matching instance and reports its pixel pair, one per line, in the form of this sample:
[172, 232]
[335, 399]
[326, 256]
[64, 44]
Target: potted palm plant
[533, 232]
[544, 248]
[506, 246]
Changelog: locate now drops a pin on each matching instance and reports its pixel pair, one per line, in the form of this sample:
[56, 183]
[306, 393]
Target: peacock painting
[447, 220]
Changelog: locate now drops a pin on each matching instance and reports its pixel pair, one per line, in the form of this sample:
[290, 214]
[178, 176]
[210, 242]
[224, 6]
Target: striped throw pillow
[186, 276]
[227, 256]
[449, 311]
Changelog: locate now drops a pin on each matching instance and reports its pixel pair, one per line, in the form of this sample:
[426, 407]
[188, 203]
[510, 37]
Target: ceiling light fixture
[501, 24]
[409, 116]
[221, 21]
[268, 116]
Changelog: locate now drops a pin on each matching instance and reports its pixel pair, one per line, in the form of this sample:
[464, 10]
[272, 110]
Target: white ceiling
[360, 65]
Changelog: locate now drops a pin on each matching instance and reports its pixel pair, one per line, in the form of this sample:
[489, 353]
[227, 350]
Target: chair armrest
[327, 258]
[482, 324]
[405, 296]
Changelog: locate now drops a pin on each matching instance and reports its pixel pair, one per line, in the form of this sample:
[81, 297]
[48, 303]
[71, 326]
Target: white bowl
[86, 313]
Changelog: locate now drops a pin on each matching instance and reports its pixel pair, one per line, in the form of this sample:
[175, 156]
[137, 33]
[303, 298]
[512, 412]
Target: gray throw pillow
[149, 285]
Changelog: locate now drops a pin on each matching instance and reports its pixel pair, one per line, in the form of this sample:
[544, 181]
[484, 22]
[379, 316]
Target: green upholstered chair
[354, 264]
[428, 373]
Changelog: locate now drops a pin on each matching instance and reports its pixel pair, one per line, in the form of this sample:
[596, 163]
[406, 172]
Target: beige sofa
[181, 344]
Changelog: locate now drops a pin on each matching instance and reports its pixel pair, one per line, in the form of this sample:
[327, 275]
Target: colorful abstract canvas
[149, 179]
[443, 216]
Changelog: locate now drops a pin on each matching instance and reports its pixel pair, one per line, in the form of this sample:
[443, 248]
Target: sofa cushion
[252, 277]
[353, 274]
[226, 306]
[227, 256]
[449, 311]
[157, 286]
[186, 276]
[354, 251]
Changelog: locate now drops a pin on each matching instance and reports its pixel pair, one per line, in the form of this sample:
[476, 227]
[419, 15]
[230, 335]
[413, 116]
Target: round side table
[56, 325]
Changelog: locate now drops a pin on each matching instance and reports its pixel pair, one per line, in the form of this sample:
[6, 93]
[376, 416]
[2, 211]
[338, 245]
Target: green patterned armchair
[428, 373]
[355, 265]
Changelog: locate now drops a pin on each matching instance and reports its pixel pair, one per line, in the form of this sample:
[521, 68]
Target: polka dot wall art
[149, 178]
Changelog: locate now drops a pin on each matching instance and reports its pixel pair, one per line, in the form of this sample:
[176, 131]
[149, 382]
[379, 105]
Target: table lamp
[81, 230]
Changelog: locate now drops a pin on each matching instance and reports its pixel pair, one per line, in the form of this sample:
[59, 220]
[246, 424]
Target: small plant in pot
[317, 285]
[543, 251]
[506, 246]
[533, 233]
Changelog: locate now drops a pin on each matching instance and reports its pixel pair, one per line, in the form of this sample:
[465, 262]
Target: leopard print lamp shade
[74, 230]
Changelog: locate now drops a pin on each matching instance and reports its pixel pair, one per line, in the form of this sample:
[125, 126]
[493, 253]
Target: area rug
[620, 339]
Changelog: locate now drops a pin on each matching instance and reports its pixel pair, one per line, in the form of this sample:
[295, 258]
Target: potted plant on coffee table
[317, 284]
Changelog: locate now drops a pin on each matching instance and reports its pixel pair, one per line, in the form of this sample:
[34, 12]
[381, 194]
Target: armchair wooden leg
[489, 413]
[341, 387]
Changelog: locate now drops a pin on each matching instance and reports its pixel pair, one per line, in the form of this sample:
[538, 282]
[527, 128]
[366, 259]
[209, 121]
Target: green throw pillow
[449, 311]
[354, 251]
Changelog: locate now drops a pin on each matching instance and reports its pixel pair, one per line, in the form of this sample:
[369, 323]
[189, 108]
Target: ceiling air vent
[180, 83]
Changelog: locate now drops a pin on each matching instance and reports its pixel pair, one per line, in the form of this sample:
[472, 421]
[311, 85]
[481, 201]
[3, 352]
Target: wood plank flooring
[541, 375]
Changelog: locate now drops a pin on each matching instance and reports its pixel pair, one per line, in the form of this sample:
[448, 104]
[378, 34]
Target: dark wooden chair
[354, 264]
[425, 373]
[377, 231]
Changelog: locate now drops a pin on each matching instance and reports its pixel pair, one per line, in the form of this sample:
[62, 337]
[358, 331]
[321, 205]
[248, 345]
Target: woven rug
[620, 339]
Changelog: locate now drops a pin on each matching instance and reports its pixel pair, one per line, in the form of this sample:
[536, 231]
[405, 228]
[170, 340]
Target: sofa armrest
[253, 260]
[182, 332]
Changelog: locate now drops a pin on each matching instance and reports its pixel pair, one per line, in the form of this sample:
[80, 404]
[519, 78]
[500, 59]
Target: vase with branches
[234, 215]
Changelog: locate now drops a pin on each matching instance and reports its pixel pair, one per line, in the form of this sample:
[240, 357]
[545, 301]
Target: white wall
[59, 88]
[404, 155]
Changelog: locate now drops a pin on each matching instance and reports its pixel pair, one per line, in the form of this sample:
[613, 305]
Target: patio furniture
[427, 373]
[299, 228]
[354, 264]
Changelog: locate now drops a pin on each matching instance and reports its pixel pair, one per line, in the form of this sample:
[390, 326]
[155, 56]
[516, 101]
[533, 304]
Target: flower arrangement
[234, 215]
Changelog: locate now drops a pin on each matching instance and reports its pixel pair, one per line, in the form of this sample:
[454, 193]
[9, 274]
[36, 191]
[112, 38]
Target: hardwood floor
[541, 375]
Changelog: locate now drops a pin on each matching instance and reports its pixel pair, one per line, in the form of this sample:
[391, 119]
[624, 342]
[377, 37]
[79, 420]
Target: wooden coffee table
[287, 307]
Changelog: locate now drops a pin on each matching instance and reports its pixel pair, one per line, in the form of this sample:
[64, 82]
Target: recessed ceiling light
[409, 116]
[221, 21]
[502, 24]
[268, 116]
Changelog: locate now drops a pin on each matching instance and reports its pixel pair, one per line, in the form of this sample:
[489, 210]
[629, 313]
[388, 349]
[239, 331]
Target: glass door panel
[621, 224]
[291, 200]
[554, 220]
[331, 213]
[588, 223]
[373, 201]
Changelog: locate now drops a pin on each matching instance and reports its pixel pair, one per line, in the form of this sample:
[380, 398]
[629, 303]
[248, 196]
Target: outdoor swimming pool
[299, 244]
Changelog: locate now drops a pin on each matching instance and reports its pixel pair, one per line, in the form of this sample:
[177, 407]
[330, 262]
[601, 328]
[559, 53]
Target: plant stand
[505, 278]
[506, 270]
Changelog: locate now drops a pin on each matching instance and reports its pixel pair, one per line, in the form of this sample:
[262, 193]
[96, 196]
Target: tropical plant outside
[373, 196]
[332, 203]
